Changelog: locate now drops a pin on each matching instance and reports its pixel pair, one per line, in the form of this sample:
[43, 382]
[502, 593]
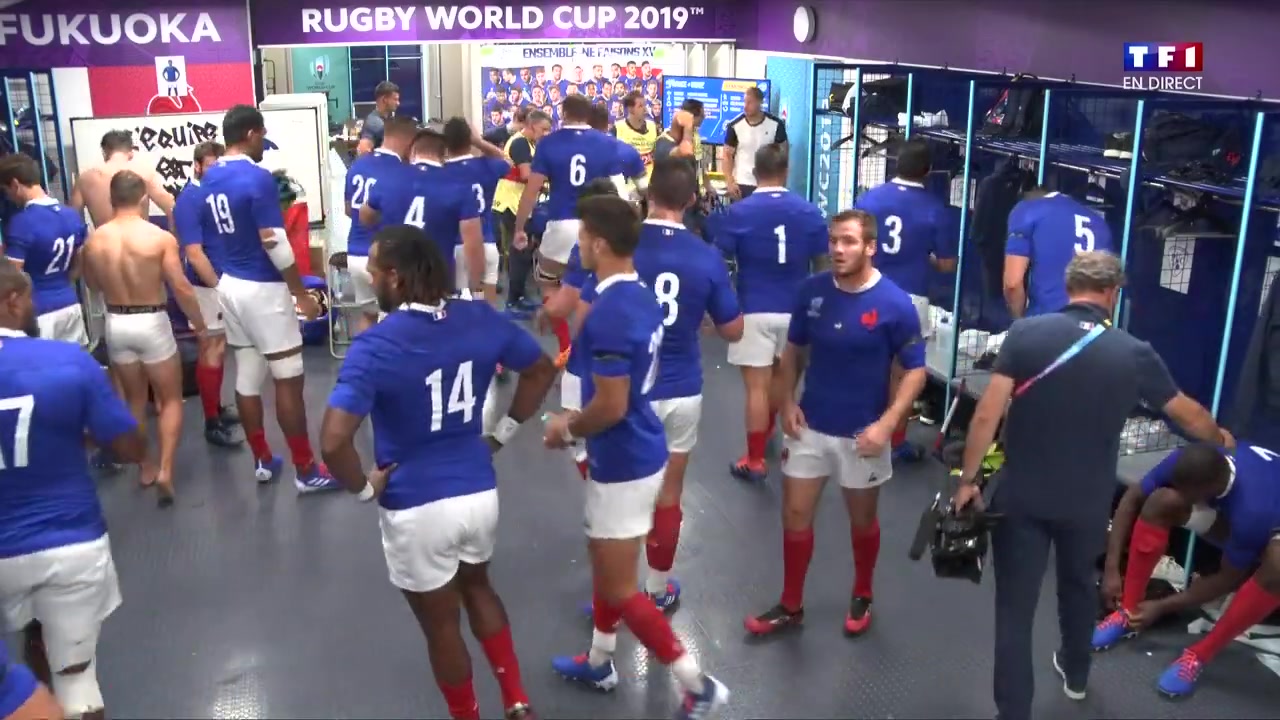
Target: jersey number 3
[25, 405]
[462, 396]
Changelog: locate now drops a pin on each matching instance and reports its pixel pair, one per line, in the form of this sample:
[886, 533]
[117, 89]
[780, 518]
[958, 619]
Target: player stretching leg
[690, 281]
[130, 260]
[915, 238]
[852, 323]
[49, 237]
[261, 294]
[567, 158]
[436, 488]
[203, 270]
[621, 337]
[776, 238]
[364, 176]
[57, 579]
[1233, 500]
[567, 304]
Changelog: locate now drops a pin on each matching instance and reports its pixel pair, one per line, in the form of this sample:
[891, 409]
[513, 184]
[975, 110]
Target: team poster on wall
[542, 75]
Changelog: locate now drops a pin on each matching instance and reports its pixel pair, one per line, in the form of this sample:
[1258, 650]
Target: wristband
[505, 430]
[366, 493]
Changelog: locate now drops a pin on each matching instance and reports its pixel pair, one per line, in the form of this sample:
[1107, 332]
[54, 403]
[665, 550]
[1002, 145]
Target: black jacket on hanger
[995, 198]
[1258, 389]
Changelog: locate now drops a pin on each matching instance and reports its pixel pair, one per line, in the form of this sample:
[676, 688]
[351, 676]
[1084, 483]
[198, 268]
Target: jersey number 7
[25, 405]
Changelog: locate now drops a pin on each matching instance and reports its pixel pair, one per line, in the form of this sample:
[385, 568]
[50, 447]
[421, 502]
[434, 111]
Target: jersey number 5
[1085, 233]
[221, 209]
[25, 405]
[462, 396]
[667, 289]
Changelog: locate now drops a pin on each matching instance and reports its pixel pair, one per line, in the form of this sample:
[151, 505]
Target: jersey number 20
[462, 396]
[360, 195]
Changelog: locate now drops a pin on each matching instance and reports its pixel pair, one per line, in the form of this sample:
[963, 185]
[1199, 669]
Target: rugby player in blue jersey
[778, 239]
[847, 328]
[204, 269]
[419, 375]
[382, 166]
[1046, 230]
[261, 295]
[627, 451]
[58, 582]
[479, 173]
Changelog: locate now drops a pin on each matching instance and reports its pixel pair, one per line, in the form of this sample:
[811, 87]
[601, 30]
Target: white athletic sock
[603, 646]
[656, 583]
[688, 674]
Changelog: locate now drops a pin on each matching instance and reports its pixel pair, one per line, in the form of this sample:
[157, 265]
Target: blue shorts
[17, 685]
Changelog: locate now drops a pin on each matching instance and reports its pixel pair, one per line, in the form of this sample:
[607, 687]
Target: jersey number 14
[462, 396]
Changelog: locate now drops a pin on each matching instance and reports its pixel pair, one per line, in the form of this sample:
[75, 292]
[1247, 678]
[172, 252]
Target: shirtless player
[130, 260]
[92, 188]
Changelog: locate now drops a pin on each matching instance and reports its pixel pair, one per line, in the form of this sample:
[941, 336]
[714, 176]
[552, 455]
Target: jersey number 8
[666, 288]
[221, 209]
[578, 170]
[462, 396]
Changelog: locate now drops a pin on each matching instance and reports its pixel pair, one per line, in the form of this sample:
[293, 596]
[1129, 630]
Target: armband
[279, 250]
[366, 492]
[505, 430]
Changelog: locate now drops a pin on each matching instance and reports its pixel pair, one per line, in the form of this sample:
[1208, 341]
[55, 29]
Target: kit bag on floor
[1192, 149]
[1019, 113]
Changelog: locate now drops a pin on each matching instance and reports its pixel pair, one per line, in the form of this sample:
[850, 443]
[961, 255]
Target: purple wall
[1050, 38]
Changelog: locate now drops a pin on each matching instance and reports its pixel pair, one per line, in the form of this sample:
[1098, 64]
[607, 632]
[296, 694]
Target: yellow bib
[506, 198]
[643, 142]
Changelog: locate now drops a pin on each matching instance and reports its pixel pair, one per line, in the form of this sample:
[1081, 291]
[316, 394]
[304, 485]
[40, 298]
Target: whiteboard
[166, 142]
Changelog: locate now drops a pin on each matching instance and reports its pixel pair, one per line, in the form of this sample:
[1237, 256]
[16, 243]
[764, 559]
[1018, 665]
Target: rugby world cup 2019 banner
[334, 22]
[542, 76]
[38, 34]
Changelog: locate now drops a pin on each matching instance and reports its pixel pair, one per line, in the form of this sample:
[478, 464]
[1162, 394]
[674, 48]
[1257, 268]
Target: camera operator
[1069, 381]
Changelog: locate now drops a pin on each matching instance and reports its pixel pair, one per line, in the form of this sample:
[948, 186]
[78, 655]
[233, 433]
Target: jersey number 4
[462, 396]
[25, 405]
[221, 209]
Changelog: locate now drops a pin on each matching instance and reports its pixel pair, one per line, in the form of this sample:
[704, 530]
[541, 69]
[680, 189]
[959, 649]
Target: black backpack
[1019, 112]
[1191, 149]
[881, 99]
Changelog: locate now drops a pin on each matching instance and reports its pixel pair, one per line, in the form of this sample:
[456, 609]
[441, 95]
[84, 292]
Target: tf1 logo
[1164, 57]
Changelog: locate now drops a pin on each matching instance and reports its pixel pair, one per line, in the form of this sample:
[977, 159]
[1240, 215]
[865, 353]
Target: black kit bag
[881, 99]
[1191, 149]
[1019, 112]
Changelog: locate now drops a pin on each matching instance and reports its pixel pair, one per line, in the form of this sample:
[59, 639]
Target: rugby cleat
[316, 480]
[749, 470]
[218, 433]
[774, 619]
[265, 471]
[1179, 679]
[705, 704]
[228, 415]
[578, 669]
[858, 620]
[1114, 629]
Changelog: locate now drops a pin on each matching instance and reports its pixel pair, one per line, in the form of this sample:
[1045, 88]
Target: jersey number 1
[462, 396]
[25, 405]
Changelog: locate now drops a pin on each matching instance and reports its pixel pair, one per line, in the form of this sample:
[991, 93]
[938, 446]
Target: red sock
[300, 449]
[258, 444]
[756, 444]
[582, 468]
[1146, 545]
[1251, 605]
[605, 616]
[899, 437]
[797, 551]
[501, 651]
[461, 700]
[652, 628]
[866, 548]
[664, 537]
[209, 383]
[561, 329]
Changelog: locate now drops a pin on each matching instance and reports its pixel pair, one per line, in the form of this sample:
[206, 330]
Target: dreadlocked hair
[419, 264]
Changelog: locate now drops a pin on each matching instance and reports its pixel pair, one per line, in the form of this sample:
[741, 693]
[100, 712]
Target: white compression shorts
[65, 324]
[210, 308]
[679, 418]
[139, 333]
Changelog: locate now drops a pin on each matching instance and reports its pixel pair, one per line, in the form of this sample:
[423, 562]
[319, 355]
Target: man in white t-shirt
[746, 134]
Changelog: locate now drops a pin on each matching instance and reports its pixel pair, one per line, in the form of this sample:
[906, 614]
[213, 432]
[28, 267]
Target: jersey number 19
[221, 209]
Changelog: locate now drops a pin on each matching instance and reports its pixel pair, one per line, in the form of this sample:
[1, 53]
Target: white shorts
[65, 324]
[922, 310]
[145, 337]
[210, 308]
[361, 281]
[260, 315]
[1202, 516]
[764, 337]
[622, 510]
[679, 418]
[461, 278]
[816, 455]
[559, 239]
[570, 392]
[424, 545]
[69, 589]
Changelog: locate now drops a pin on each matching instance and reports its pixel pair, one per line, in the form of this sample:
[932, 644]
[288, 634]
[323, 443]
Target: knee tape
[285, 368]
[251, 372]
[78, 693]
[547, 275]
